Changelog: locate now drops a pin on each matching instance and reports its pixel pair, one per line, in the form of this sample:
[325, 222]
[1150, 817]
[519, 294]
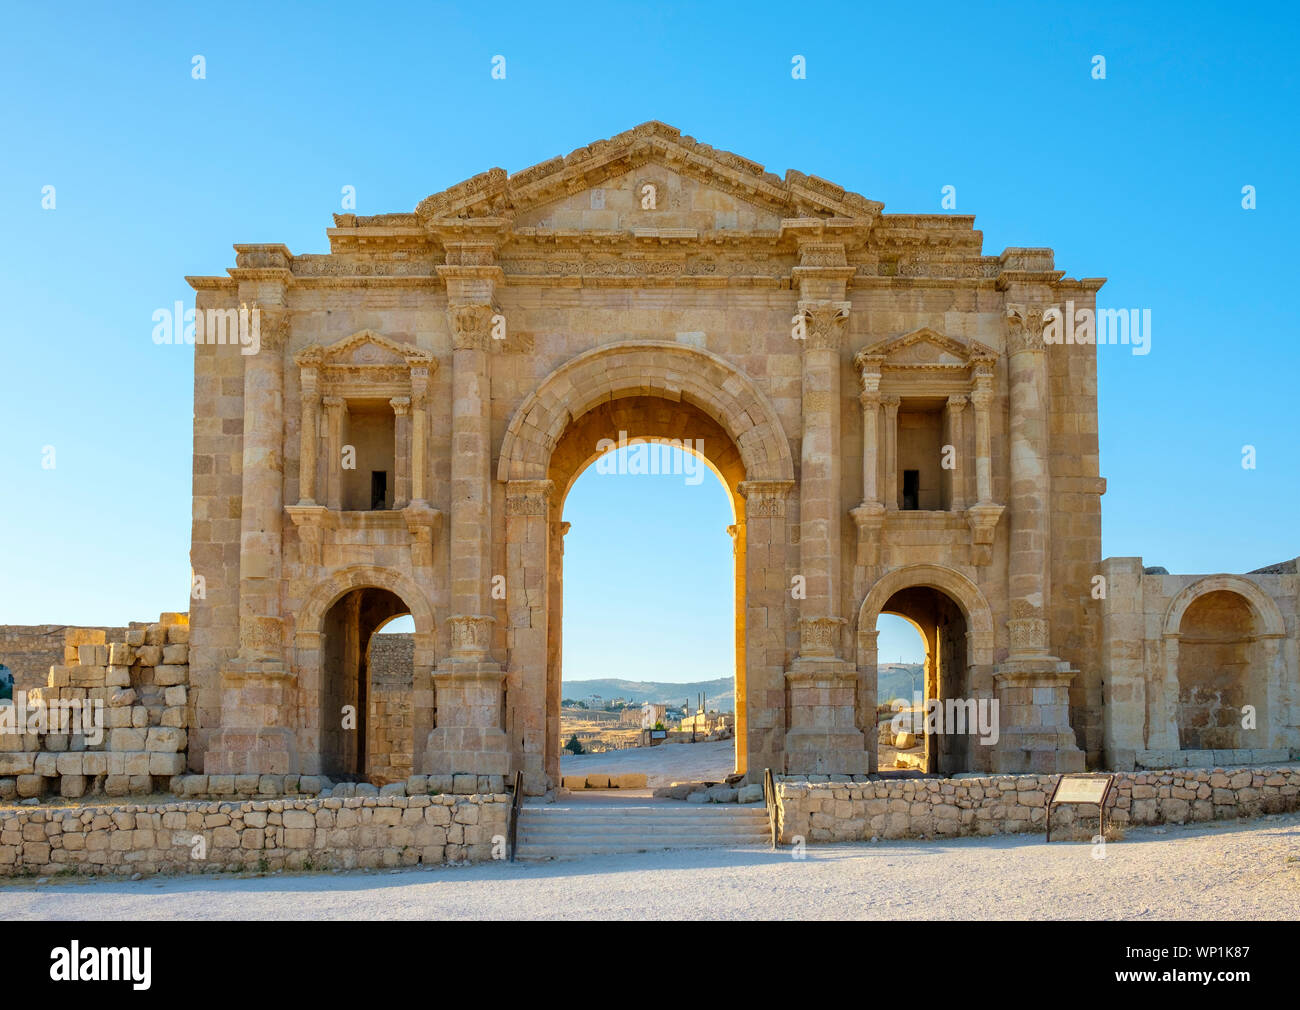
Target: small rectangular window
[378, 488]
[911, 489]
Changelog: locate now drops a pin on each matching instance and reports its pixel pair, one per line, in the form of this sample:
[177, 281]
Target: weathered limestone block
[171, 675]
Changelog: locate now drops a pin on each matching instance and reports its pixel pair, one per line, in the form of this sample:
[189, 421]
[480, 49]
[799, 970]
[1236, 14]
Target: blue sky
[1137, 177]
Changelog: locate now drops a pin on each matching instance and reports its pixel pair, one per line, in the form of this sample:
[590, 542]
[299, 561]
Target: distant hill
[720, 694]
[899, 680]
[896, 680]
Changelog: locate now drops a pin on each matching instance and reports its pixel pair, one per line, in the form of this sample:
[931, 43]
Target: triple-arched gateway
[398, 426]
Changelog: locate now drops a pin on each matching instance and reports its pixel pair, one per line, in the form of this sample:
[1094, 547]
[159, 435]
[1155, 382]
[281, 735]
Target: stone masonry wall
[30, 650]
[390, 729]
[141, 688]
[293, 834]
[1008, 804]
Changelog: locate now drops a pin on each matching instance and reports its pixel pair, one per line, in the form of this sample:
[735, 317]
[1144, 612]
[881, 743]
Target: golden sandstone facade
[874, 391]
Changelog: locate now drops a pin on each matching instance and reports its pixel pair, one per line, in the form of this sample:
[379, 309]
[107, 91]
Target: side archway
[956, 626]
[311, 646]
[954, 584]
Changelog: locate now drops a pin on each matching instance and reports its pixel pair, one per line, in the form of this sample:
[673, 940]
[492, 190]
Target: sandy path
[1239, 870]
[674, 762]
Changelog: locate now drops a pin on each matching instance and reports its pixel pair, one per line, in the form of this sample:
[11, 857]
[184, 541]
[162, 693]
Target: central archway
[658, 391]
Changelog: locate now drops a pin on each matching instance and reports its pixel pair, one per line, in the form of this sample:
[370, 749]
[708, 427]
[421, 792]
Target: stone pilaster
[819, 472]
[891, 405]
[335, 414]
[956, 438]
[309, 438]
[258, 691]
[821, 730]
[982, 401]
[470, 735]
[822, 733]
[471, 458]
[767, 593]
[419, 435]
[869, 516]
[1032, 685]
[401, 451]
[554, 643]
[528, 506]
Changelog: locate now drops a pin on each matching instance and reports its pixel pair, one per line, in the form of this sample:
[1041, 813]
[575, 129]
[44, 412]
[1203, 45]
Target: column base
[258, 705]
[468, 739]
[823, 738]
[1033, 695]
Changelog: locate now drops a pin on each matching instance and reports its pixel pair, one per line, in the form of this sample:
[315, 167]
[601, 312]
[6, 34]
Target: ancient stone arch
[958, 587]
[659, 368]
[1264, 644]
[551, 439]
[309, 657]
[1266, 611]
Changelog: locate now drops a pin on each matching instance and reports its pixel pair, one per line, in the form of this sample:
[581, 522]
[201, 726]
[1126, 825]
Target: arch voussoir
[670, 371]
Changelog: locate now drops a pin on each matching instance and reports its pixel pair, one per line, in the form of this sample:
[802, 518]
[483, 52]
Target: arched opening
[900, 689]
[366, 722]
[944, 720]
[646, 518]
[1219, 666]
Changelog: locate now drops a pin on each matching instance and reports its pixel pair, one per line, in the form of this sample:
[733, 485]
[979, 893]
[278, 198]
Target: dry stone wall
[843, 811]
[30, 650]
[266, 835]
[131, 705]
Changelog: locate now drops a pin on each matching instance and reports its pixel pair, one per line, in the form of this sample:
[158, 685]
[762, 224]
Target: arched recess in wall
[1223, 646]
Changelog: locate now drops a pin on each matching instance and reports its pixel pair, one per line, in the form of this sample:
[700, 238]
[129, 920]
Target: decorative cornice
[496, 194]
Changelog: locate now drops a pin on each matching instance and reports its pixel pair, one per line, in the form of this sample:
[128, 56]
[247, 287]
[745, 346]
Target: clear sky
[1137, 177]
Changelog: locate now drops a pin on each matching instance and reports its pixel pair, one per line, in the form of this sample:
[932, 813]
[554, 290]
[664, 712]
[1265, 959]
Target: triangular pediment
[363, 348]
[651, 147]
[927, 348]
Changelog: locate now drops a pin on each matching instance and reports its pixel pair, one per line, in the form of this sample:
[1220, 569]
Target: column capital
[981, 399]
[957, 403]
[529, 497]
[333, 401]
[823, 324]
[401, 405]
[471, 326]
[891, 403]
[1025, 325]
[471, 636]
[765, 498]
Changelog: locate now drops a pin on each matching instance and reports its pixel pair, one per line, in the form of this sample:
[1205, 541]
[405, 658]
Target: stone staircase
[570, 829]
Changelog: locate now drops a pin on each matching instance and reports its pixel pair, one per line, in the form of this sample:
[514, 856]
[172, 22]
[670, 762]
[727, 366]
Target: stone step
[565, 831]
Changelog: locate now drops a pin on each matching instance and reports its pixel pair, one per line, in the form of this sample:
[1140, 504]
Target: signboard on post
[1076, 789]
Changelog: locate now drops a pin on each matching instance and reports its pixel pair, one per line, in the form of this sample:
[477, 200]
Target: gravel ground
[663, 765]
[1236, 870]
